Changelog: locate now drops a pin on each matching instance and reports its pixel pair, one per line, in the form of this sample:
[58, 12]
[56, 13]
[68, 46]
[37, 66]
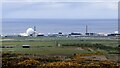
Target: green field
[49, 45]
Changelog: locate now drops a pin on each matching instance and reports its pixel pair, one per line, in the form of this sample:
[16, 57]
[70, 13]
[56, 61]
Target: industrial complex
[31, 32]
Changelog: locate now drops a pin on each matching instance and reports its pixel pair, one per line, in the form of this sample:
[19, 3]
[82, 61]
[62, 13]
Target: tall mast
[86, 29]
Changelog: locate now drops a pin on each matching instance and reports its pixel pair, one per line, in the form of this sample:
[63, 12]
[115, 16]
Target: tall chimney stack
[86, 29]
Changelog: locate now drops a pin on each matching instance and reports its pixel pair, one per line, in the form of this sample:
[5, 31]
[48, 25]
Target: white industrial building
[31, 32]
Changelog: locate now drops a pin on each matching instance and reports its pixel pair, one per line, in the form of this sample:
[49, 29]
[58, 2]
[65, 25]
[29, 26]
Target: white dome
[30, 31]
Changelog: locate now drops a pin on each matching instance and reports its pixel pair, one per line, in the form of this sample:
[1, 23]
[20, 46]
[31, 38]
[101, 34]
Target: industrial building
[75, 34]
[32, 32]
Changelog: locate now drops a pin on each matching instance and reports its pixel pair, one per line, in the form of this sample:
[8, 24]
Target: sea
[46, 26]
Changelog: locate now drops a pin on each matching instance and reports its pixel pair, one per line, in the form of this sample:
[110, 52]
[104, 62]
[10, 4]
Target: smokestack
[86, 29]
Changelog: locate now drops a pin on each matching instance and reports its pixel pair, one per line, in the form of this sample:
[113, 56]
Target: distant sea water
[11, 26]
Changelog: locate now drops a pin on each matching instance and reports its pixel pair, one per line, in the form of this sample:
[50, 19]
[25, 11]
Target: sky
[57, 0]
[94, 9]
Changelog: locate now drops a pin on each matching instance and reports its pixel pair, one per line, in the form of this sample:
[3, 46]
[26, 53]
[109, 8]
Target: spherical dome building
[30, 31]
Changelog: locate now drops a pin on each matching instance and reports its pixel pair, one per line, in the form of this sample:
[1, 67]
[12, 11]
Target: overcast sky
[54, 9]
[58, 0]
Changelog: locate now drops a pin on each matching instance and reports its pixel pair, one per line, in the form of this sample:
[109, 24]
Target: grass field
[59, 51]
[48, 45]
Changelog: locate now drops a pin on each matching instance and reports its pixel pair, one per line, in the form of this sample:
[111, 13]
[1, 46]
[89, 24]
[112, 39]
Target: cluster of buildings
[78, 34]
[31, 32]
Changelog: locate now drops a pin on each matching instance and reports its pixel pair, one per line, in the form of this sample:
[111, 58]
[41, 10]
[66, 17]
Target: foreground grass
[49, 45]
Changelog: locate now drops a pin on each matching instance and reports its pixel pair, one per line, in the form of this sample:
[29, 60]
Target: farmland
[51, 45]
[96, 51]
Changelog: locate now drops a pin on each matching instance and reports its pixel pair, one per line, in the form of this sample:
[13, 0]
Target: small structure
[91, 34]
[113, 34]
[75, 34]
[26, 46]
[59, 45]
